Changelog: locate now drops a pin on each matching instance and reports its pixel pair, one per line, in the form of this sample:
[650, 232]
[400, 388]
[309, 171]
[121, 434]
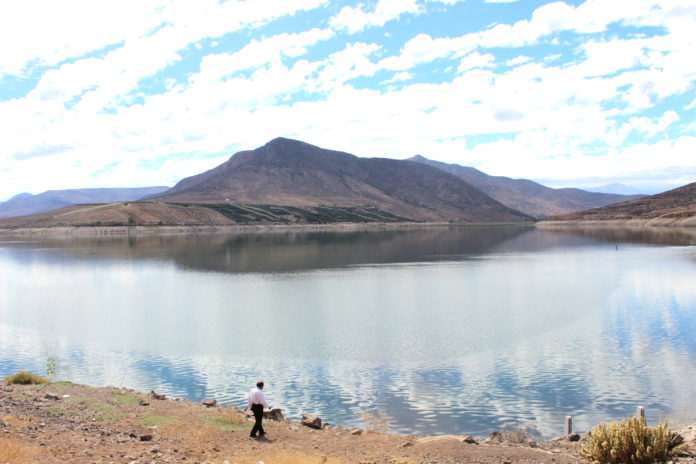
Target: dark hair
[259, 384]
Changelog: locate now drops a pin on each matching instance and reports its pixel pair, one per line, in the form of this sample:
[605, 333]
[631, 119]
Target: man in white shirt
[256, 402]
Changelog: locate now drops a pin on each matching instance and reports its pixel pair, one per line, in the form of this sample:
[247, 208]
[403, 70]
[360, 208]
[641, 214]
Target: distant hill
[292, 173]
[25, 203]
[619, 189]
[673, 207]
[525, 195]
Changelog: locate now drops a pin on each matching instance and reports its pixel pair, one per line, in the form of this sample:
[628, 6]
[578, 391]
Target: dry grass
[17, 453]
[630, 441]
[25, 378]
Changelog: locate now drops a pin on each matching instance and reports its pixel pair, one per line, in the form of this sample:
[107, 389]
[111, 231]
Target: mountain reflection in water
[444, 329]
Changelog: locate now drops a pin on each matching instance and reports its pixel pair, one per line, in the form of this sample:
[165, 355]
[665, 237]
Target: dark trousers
[257, 409]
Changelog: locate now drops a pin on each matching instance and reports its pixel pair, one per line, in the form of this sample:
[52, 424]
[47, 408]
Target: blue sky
[136, 93]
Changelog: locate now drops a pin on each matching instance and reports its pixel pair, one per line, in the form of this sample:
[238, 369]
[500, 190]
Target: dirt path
[67, 423]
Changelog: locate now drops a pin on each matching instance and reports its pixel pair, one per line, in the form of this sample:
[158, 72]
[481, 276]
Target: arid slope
[528, 196]
[293, 173]
[674, 207]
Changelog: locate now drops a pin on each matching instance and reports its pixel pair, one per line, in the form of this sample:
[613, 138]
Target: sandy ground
[68, 423]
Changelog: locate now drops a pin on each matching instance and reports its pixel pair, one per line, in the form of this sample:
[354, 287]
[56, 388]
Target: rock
[470, 440]
[355, 432]
[311, 420]
[273, 414]
[407, 444]
[209, 403]
[143, 403]
[445, 438]
[157, 396]
[574, 437]
[676, 440]
[147, 437]
[494, 437]
[51, 396]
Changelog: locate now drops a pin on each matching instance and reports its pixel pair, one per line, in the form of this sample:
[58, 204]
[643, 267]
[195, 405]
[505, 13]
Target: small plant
[25, 378]
[629, 442]
[50, 368]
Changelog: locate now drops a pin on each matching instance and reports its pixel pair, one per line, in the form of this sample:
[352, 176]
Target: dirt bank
[68, 423]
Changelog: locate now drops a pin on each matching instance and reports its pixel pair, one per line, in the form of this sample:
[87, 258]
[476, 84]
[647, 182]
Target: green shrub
[24, 378]
[628, 442]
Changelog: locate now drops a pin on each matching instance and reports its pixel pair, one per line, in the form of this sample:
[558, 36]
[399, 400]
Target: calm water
[441, 330]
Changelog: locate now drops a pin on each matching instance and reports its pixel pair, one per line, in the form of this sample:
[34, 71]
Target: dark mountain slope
[294, 173]
[528, 196]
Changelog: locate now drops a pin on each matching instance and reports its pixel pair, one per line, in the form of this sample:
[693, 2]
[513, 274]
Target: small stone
[274, 414]
[51, 396]
[143, 403]
[676, 440]
[470, 440]
[407, 444]
[311, 420]
[355, 432]
[574, 437]
[209, 403]
[147, 437]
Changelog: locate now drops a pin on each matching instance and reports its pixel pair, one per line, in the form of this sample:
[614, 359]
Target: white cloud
[424, 49]
[258, 53]
[356, 19]
[475, 60]
[73, 28]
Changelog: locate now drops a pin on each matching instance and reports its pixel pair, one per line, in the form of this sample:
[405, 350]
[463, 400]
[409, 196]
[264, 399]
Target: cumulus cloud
[586, 94]
[356, 19]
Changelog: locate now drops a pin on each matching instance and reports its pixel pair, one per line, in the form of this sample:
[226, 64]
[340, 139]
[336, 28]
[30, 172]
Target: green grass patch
[159, 420]
[110, 416]
[25, 378]
[124, 398]
[57, 411]
[63, 384]
[225, 424]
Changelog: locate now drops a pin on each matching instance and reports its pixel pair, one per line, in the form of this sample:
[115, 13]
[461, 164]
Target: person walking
[256, 402]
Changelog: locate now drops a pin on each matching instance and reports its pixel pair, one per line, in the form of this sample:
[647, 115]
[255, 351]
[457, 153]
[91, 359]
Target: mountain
[619, 189]
[674, 207]
[293, 173]
[525, 195]
[25, 203]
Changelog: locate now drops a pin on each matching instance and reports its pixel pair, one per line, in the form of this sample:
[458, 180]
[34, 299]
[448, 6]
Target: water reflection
[447, 330]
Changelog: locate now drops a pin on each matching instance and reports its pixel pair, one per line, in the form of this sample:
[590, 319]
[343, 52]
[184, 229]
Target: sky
[139, 93]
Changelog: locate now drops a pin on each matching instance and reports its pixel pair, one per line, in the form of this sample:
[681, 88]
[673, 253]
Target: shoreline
[63, 422]
[66, 422]
[157, 230]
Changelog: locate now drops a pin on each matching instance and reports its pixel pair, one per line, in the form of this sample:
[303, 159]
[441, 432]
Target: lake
[425, 330]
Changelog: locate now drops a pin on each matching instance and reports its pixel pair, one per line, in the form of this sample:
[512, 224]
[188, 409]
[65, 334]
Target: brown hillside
[294, 173]
[678, 205]
[528, 196]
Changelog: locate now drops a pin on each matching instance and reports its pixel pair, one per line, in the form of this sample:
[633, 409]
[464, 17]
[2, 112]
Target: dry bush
[629, 442]
[518, 434]
[375, 422]
[15, 453]
[25, 378]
